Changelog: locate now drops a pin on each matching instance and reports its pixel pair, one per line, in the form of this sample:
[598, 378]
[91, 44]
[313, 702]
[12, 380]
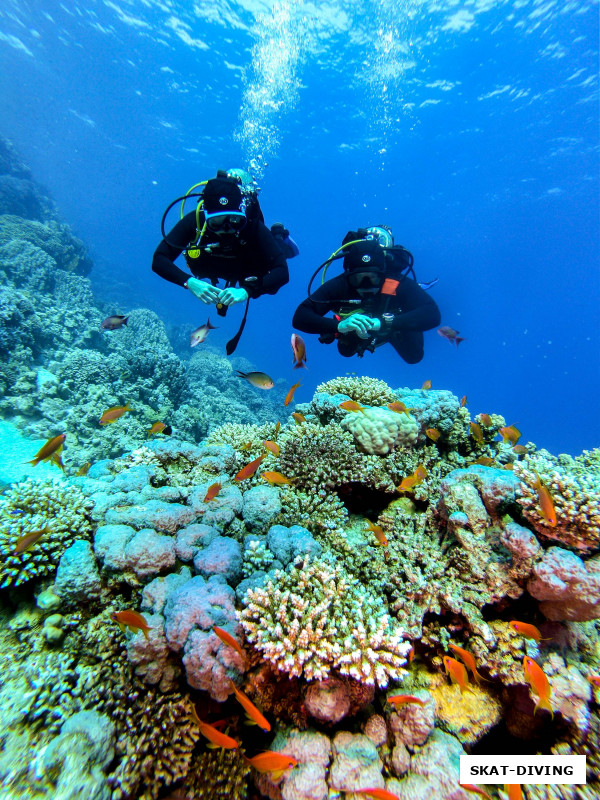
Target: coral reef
[312, 620]
[316, 584]
[574, 485]
[61, 513]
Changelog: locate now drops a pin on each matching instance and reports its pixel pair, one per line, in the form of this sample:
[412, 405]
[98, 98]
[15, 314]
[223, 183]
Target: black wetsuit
[234, 259]
[413, 310]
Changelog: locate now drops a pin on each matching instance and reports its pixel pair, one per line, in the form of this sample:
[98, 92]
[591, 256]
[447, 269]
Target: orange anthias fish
[546, 502]
[270, 761]
[510, 434]
[212, 491]
[298, 417]
[457, 672]
[277, 427]
[470, 787]
[486, 419]
[525, 630]
[449, 333]
[132, 620]
[52, 447]
[214, 736]
[468, 659]
[476, 432]
[258, 379]
[463, 401]
[594, 680]
[405, 699]
[272, 447]
[276, 478]
[514, 791]
[377, 794]
[413, 480]
[485, 461]
[251, 710]
[377, 531]
[160, 427]
[114, 413]
[519, 449]
[228, 639]
[351, 405]
[426, 385]
[249, 470]
[200, 334]
[537, 679]
[290, 395]
[83, 470]
[399, 408]
[29, 539]
[433, 434]
[299, 351]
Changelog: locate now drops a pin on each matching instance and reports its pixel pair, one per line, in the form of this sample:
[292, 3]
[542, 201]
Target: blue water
[472, 129]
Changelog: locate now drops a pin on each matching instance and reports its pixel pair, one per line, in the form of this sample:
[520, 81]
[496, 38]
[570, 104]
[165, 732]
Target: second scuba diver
[373, 301]
[226, 239]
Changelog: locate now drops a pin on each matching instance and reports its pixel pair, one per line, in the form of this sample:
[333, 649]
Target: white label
[522, 769]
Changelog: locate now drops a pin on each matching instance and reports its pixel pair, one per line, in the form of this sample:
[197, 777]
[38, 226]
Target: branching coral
[218, 775]
[313, 620]
[62, 511]
[367, 391]
[319, 511]
[574, 484]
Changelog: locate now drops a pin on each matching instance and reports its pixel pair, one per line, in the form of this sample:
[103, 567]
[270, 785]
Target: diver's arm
[420, 311]
[269, 253]
[310, 317]
[172, 247]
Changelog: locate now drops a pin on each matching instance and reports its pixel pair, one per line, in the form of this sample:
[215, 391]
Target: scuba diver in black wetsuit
[373, 301]
[225, 238]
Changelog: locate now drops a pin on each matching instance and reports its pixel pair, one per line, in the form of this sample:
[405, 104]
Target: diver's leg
[408, 345]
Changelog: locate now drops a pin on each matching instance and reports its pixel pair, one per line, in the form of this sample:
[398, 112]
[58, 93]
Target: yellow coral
[367, 391]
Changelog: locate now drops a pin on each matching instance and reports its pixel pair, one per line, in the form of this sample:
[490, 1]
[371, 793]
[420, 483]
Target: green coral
[366, 391]
[257, 556]
[218, 775]
[321, 512]
[574, 485]
[314, 619]
[32, 506]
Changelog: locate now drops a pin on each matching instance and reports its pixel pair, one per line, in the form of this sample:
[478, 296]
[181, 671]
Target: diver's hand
[203, 291]
[357, 323]
[232, 295]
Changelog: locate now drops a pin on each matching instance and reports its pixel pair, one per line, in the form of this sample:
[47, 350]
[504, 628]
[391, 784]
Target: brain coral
[32, 506]
[379, 431]
[574, 484]
[312, 620]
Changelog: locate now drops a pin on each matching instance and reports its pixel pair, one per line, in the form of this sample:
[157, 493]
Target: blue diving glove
[202, 290]
[232, 295]
[360, 324]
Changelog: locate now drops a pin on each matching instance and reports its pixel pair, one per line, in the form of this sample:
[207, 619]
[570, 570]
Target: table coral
[366, 391]
[312, 620]
[31, 506]
[574, 485]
